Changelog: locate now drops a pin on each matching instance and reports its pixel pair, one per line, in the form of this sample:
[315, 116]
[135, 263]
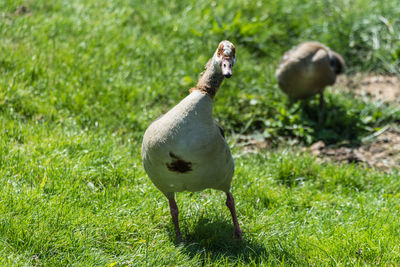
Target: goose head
[337, 63]
[225, 57]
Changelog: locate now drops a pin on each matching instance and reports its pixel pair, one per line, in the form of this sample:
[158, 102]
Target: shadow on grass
[213, 241]
[334, 125]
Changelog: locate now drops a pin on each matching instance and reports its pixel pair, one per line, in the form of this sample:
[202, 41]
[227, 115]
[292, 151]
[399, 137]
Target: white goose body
[184, 149]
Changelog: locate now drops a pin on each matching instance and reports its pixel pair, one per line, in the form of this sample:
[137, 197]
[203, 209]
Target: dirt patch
[252, 143]
[383, 153]
[375, 87]
[381, 150]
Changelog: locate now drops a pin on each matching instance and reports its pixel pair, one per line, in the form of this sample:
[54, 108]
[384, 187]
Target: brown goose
[307, 69]
[185, 149]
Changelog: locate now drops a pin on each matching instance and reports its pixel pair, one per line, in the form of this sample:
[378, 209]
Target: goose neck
[211, 79]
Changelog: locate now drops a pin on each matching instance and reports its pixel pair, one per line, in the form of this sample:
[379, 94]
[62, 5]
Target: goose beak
[226, 67]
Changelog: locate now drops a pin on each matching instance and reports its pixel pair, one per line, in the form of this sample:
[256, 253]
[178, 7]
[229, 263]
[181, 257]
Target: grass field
[81, 80]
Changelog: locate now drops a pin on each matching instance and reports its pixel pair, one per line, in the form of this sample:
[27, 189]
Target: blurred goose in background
[307, 69]
[185, 148]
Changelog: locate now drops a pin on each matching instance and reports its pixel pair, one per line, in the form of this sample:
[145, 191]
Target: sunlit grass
[81, 80]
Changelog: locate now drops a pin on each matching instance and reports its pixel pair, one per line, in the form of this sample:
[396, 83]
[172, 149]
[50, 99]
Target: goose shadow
[333, 125]
[213, 241]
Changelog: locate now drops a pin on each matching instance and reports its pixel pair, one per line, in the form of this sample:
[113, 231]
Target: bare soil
[375, 87]
[381, 151]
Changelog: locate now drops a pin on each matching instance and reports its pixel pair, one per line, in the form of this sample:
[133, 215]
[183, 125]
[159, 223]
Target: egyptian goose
[305, 70]
[185, 149]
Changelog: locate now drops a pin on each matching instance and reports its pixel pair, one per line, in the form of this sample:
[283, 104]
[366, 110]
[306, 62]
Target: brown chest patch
[178, 164]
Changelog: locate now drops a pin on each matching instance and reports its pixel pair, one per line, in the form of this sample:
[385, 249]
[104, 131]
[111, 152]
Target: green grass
[81, 80]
